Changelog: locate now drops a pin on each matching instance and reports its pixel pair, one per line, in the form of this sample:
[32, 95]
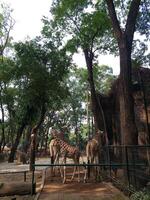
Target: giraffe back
[68, 150]
[65, 149]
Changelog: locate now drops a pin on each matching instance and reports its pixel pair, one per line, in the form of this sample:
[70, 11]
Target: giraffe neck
[56, 134]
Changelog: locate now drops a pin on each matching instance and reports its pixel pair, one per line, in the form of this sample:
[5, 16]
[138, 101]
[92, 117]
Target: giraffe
[63, 149]
[92, 151]
[54, 151]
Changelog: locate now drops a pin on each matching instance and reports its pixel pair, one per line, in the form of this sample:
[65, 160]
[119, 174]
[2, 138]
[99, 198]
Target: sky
[28, 15]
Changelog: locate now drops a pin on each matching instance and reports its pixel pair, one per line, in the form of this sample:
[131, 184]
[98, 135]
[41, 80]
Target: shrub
[141, 195]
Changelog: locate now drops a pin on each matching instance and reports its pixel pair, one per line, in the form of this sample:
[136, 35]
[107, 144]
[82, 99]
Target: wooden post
[127, 165]
[32, 149]
[32, 158]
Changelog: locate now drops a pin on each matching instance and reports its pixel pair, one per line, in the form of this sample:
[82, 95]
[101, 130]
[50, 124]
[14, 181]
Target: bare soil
[19, 177]
[54, 189]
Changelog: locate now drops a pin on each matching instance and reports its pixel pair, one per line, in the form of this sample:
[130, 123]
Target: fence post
[33, 185]
[134, 166]
[32, 160]
[32, 150]
[108, 159]
[127, 165]
[88, 169]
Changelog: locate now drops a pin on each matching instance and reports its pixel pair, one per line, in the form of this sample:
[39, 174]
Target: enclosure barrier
[132, 160]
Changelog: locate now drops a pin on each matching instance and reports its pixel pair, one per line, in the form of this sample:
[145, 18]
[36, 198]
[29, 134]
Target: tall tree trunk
[2, 142]
[19, 134]
[27, 139]
[95, 104]
[34, 137]
[16, 143]
[46, 140]
[128, 128]
[88, 116]
[125, 39]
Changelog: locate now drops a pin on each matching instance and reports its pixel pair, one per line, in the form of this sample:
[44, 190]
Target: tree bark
[46, 140]
[15, 145]
[125, 38]
[27, 139]
[129, 135]
[2, 142]
[19, 134]
[95, 104]
[34, 136]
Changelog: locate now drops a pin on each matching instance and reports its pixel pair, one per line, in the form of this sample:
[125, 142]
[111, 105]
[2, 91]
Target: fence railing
[131, 162]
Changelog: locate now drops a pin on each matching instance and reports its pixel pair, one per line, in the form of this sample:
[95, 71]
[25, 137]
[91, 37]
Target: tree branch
[92, 40]
[131, 20]
[113, 18]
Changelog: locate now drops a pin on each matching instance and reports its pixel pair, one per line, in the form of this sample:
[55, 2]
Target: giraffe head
[54, 133]
[99, 136]
[57, 134]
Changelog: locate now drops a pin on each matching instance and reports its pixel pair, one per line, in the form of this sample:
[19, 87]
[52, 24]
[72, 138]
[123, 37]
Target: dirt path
[54, 189]
[81, 191]
[19, 177]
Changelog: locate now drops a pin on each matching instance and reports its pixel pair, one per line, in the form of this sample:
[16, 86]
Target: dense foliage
[40, 72]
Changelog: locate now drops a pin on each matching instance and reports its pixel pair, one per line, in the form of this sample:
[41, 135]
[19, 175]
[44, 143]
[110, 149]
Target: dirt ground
[54, 189]
[19, 177]
[81, 191]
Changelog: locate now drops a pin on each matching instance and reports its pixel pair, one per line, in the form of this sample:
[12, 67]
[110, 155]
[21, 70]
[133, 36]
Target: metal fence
[127, 166]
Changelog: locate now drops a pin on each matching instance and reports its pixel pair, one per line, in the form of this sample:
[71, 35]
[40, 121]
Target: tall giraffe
[63, 149]
[92, 150]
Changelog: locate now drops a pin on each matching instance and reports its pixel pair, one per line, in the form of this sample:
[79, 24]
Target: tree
[125, 39]
[7, 93]
[88, 30]
[6, 25]
[38, 77]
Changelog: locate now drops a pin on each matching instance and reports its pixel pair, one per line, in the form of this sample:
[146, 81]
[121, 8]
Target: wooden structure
[15, 188]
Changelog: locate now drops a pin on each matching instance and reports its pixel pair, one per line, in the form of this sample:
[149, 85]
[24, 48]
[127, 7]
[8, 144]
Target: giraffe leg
[52, 168]
[78, 162]
[60, 170]
[85, 175]
[74, 170]
[59, 167]
[55, 162]
[86, 171]
[78, 173]
[64, 179]
[95, 169]
[92, 167]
